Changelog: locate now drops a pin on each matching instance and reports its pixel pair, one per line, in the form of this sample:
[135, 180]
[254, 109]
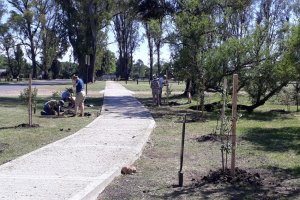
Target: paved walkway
[82, 165]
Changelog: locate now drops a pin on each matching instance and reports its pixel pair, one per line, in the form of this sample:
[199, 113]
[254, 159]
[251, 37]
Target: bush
[24, 95]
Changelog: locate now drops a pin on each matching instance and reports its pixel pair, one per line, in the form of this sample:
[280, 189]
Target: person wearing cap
[80, 95]
[52, 107]
[155, 90]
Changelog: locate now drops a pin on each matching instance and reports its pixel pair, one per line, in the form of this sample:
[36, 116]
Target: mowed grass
[268, 143]
[16, 141]
[144, 86]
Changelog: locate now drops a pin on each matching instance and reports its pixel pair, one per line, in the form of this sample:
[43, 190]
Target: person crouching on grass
[80, 95]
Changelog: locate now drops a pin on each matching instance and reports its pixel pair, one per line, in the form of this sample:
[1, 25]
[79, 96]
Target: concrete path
[83, 164]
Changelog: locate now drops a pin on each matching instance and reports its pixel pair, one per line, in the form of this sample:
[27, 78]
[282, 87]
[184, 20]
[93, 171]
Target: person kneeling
[52, 107]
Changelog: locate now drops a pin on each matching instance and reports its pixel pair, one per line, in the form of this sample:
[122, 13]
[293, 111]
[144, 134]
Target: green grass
[15, 141]
[268, 143]
[145, 86]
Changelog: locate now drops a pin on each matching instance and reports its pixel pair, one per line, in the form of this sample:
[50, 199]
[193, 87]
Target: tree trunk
[261, 102]
[158, 58]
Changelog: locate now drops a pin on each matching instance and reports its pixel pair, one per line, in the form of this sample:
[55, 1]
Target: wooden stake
[180, 173]
[234, 119]
[29, 100]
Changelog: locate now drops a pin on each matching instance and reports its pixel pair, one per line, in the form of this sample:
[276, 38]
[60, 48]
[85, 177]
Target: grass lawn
[16, 141]
[268, 144]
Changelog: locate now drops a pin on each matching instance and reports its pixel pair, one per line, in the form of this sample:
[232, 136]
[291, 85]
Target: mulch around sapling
[27, 126]
[210, 137]
[241, 178]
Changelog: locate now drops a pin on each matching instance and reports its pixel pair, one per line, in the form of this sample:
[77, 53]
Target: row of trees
[209, 40]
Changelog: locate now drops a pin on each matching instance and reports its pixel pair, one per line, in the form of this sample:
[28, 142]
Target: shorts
[80, 97]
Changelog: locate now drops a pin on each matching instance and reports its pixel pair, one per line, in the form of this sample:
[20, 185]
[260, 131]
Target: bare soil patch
[210, 137]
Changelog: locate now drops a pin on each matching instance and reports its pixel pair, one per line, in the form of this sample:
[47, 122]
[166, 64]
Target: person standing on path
[80, 95]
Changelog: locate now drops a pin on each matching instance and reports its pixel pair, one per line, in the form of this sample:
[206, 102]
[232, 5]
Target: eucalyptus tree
[54, 42]
[108, 63]
[26, 22]
[126, 29]
[194, 34]
[85, 22]
[152, 14]
[7, 43]
[18, 62]
[269, 74]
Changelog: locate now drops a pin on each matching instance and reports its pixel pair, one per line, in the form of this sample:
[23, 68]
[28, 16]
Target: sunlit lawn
[265, 132]
[16, 141]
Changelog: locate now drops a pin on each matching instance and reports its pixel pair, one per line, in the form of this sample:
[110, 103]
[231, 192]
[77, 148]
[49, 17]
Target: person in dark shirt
[80, 95]
[67, 96]
[52, 107]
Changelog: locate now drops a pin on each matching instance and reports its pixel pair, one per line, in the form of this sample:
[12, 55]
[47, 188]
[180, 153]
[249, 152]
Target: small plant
[24, 95]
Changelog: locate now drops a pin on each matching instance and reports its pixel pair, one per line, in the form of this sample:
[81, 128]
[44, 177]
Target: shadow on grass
[271, 188]
[285, 174]
[264, 116]
[274, 139]
[181, 109]
[10, 101]
[229, 191]
[207, 192]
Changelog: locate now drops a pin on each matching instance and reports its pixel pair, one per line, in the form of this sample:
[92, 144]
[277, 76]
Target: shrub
[24, 95]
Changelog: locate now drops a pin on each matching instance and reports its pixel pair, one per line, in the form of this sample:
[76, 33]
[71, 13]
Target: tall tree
[18, 62]
[25, 20]
[7, 43]
[126, 29]
[84, 20]
[54, 42]
[152, 13]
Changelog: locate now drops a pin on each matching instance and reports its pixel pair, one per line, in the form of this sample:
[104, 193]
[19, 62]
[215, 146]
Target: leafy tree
[152, 13]
[108, 64]
[126, 31]
[26, 22]
[55, 68]
[54, 36]
[85, 20]
[7, 44]
[67, 69]
[138, 69]
[18, 62]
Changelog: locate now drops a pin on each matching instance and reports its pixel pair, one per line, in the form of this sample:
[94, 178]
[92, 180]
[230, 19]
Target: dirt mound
[27, 126]
[209, 137]
[242, 178]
